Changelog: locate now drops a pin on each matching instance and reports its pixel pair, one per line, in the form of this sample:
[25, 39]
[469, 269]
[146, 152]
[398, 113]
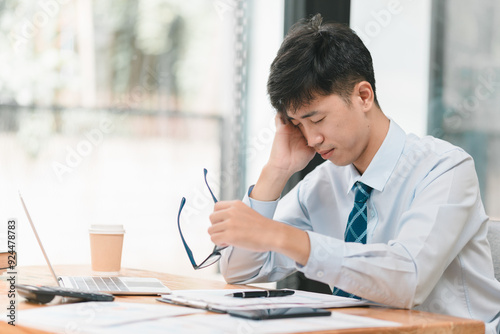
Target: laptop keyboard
[99, 283]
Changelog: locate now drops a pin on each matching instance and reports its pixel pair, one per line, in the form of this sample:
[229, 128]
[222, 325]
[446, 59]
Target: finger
[219, 216]
[215, 229]
[218, 240]
[222, 205]
[218, 235]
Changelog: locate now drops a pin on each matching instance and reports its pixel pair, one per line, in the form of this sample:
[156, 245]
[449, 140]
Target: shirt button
[319, 274]
[373, 214]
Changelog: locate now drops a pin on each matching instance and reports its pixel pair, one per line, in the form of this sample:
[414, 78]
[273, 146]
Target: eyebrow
[309, 114]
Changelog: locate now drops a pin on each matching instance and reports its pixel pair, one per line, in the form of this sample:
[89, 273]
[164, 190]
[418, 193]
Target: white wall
[397, 33]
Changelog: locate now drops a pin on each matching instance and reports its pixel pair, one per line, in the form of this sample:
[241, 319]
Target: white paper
[221, 324]
[219, 300]
[88, 316]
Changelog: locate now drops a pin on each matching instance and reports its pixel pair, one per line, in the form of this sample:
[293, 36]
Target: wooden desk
[413, 322]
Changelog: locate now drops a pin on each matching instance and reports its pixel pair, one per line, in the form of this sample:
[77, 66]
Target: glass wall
[437, 65]
[465, 86]
[109, 111]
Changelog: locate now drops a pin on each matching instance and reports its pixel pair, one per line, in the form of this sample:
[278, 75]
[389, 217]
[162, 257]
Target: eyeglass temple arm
[211, 193]
[205, 171]
[188, 250]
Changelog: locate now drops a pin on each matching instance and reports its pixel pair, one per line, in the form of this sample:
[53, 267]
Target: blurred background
[110, 110]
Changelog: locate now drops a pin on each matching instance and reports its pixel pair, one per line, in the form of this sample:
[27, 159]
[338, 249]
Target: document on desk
[221, 301]
[90, 316]
[225, 324]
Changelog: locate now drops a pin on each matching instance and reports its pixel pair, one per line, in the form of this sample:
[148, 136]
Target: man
[423, 243]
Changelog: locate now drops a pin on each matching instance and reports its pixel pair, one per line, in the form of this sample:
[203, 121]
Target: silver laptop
[114, 285]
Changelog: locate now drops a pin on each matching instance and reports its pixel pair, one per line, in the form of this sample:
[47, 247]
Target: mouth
[326, 154]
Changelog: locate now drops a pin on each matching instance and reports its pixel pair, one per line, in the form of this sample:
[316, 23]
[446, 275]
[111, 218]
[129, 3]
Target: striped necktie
[356, 224]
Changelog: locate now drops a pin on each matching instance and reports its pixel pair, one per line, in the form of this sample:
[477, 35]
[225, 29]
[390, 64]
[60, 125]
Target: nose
[313, 138]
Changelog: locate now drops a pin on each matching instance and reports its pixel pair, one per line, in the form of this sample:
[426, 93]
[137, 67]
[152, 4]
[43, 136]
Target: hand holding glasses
[215, 255]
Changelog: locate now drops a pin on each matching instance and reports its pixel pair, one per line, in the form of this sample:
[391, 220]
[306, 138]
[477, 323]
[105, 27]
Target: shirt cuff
[325, 259]
[265, 208]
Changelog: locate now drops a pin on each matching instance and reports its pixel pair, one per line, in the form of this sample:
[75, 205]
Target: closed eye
[316, 122]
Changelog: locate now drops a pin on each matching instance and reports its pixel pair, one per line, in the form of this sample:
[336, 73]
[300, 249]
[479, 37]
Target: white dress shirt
[426, 243]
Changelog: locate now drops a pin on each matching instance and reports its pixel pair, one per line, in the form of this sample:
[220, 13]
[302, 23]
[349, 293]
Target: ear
[364, 94]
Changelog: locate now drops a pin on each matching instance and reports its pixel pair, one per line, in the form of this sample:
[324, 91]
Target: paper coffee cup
[106, 243]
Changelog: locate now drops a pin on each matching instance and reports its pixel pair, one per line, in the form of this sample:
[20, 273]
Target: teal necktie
[356, 224]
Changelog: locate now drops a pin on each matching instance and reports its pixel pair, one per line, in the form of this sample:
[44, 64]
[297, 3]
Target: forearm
[383, 273]
[287, 245]
[289, 154]
[292, 242]
[282, 238]
[242, 266]
[270, 184]
[239, 265]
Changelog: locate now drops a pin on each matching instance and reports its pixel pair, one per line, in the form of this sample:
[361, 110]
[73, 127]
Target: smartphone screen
[278, 313]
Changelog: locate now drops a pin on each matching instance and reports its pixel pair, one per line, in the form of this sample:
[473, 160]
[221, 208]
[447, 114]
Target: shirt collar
[383, 163]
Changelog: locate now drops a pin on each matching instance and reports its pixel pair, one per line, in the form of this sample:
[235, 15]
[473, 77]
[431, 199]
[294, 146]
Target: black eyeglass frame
[215, 255]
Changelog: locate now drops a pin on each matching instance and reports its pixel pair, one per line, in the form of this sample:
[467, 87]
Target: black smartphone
[278, 313]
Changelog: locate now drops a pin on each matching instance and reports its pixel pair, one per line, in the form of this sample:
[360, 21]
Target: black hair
[318, 59]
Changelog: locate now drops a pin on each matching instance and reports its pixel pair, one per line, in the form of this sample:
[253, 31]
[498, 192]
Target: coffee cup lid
[106, 229]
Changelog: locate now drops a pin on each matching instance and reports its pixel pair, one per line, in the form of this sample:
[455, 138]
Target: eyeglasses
[215, 255]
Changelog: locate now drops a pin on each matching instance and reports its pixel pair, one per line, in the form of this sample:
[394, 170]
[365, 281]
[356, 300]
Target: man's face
[336, 130]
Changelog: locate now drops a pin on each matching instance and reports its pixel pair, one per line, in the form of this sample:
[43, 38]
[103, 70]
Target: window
[109, 111]
[465, 91]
